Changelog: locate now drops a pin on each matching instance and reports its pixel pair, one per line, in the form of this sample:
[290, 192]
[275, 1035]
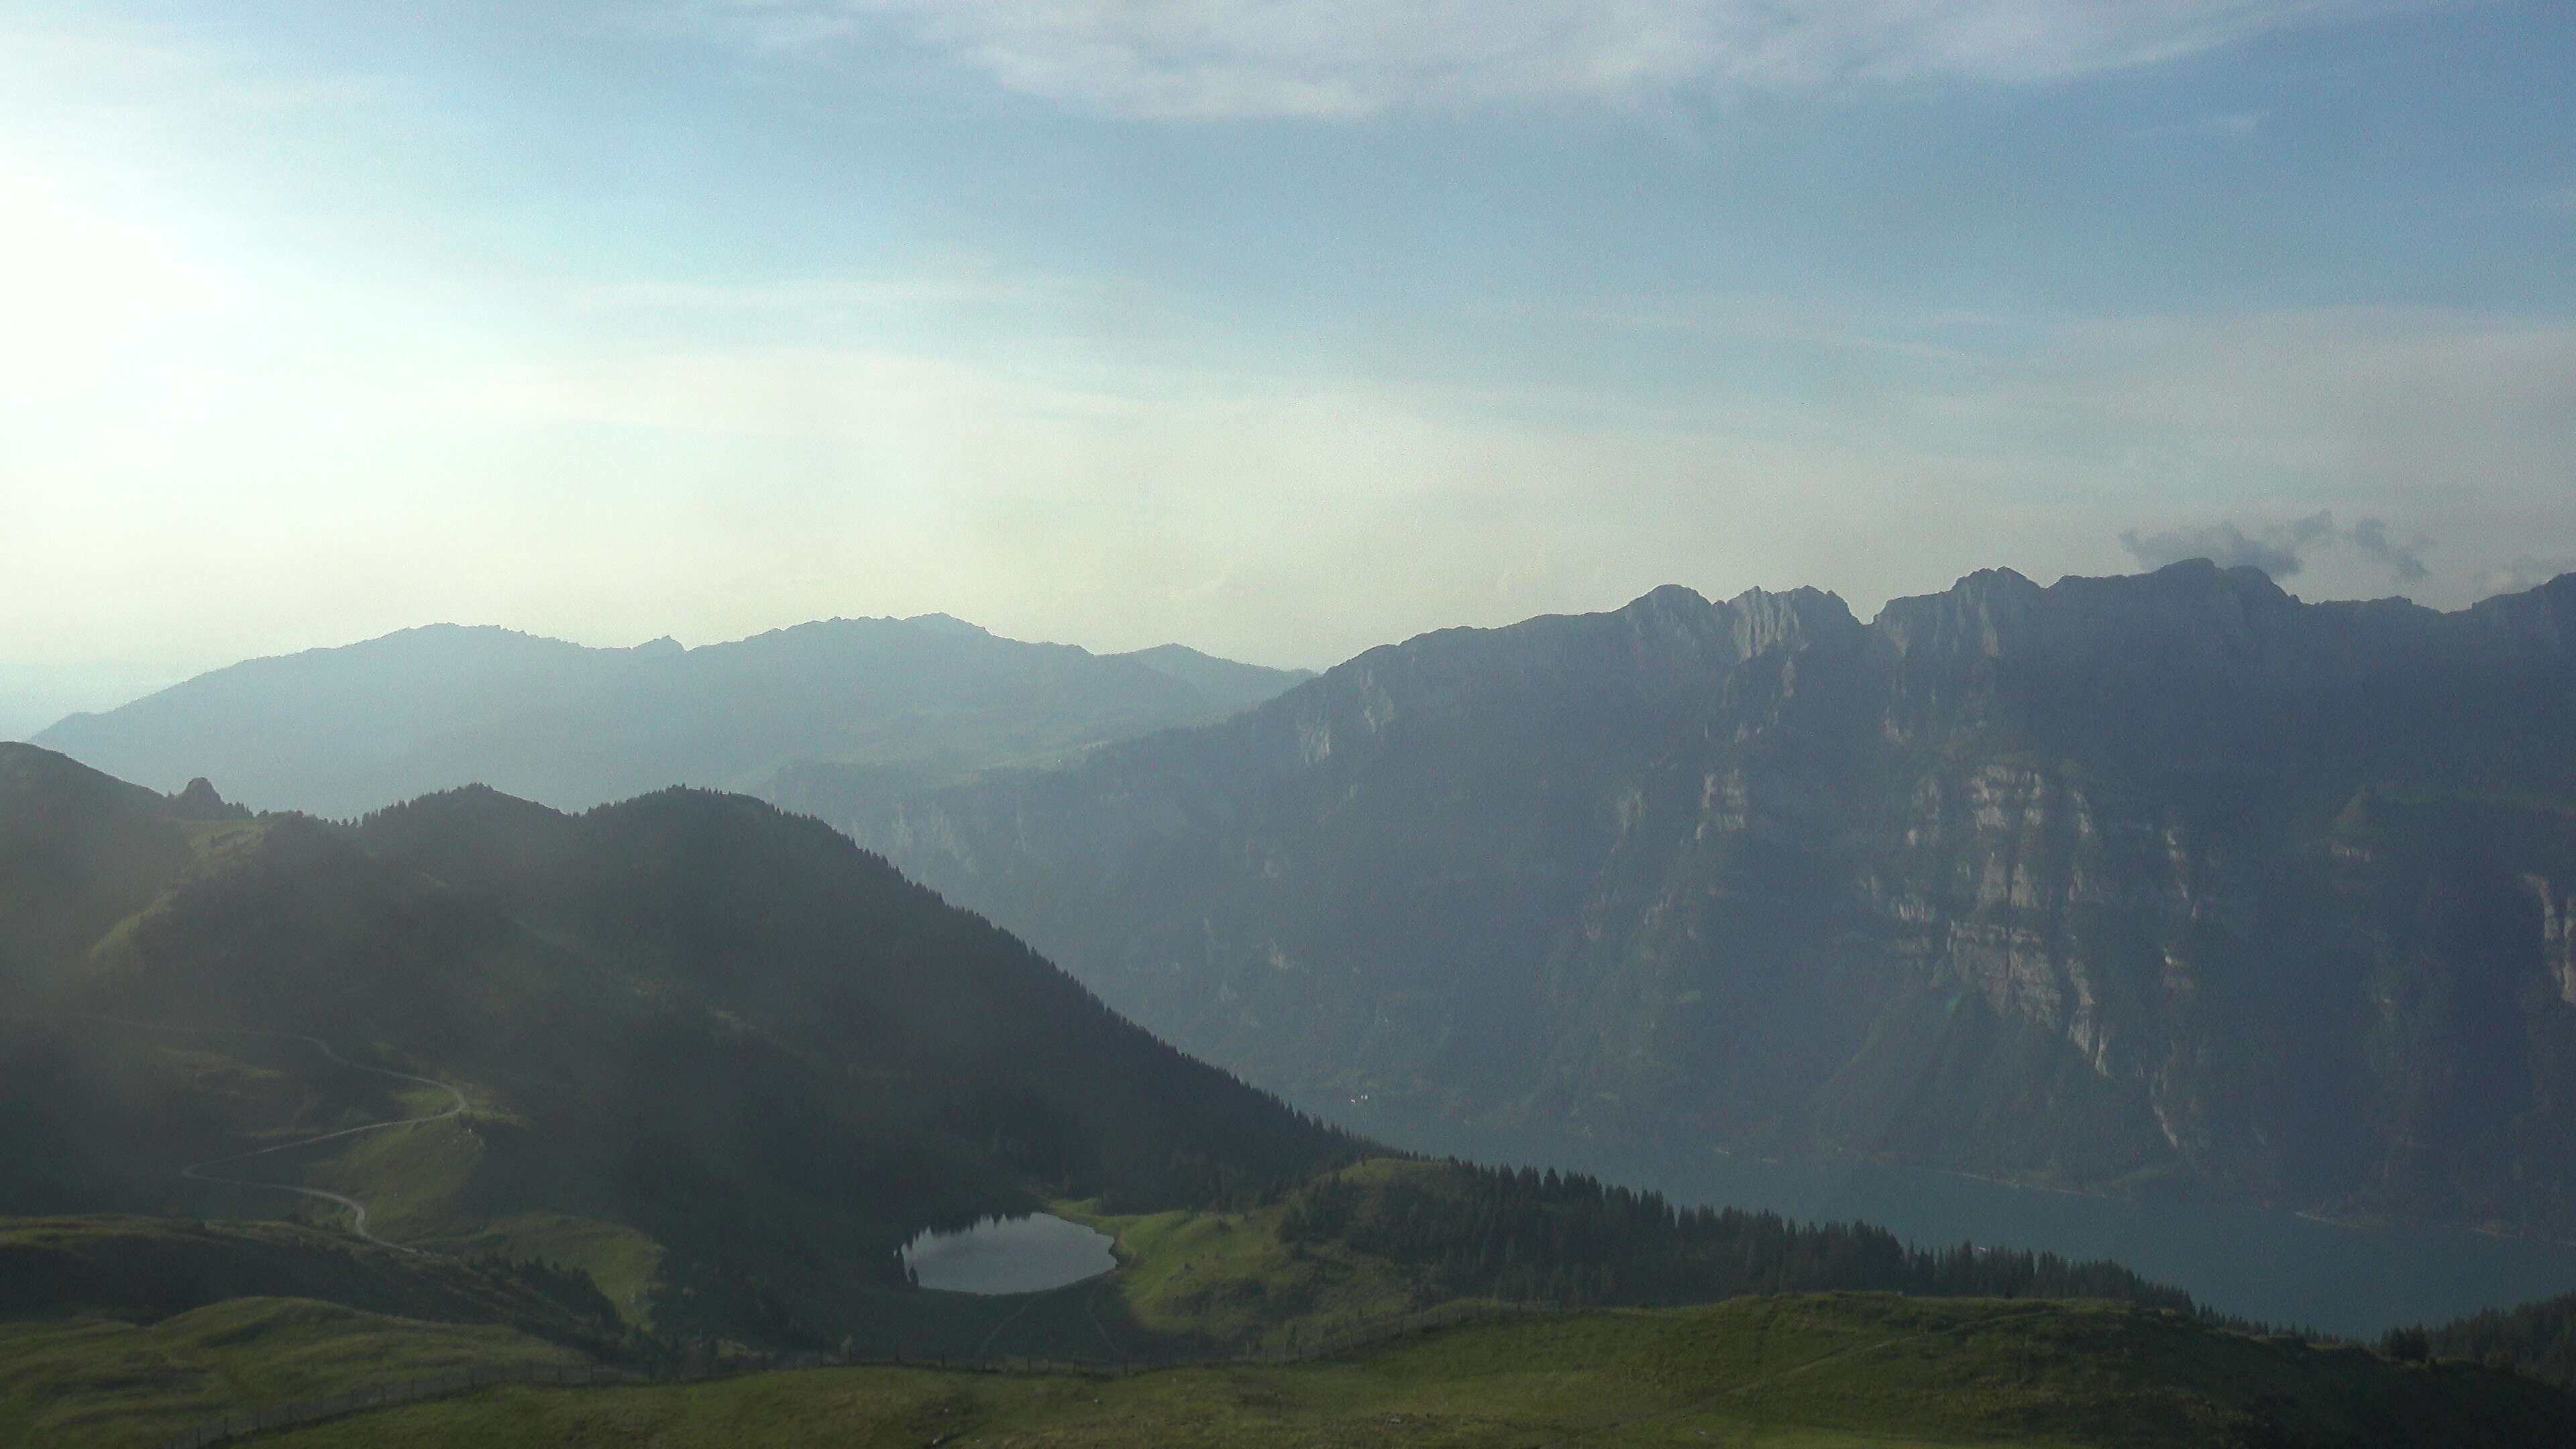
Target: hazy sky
[1279, 329]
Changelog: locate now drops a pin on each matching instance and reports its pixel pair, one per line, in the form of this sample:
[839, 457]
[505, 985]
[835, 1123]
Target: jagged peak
[2544, 615]
[200, 802]
[1802, 600]
[1980, 615]
[1995, 581]
[1795, 618]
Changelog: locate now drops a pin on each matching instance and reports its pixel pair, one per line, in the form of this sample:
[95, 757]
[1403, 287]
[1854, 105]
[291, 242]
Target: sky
[1282, 330]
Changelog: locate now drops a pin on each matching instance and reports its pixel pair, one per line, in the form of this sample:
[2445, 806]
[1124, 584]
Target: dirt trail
[196, 1171]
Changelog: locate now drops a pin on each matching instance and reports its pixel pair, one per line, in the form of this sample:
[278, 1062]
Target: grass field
[1836, 1370]
[104, 1384]
[116, 1330]
[116, 1360]
[1226, 1280]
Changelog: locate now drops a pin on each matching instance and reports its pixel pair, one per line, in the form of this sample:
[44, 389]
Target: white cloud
[2281, 549]
[1206, 58]
[2526, 571]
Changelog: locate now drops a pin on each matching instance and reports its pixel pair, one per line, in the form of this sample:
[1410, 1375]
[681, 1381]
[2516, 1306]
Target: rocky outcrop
[2557, 934]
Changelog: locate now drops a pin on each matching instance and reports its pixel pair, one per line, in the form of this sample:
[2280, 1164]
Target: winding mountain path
[196, 1171]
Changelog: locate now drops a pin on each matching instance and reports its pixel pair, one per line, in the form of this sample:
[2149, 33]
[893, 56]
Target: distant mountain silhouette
[2162, 883]
[812, 715]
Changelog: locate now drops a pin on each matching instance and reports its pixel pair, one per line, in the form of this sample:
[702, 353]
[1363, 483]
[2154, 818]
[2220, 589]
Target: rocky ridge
[2160, 883]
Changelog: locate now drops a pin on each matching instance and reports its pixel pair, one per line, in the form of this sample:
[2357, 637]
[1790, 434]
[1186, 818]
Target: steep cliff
[2168, 882]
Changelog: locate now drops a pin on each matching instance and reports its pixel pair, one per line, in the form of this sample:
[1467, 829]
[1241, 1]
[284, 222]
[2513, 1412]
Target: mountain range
[2168, 883]
[673, 1079]
[816, 716]
[2160, 884]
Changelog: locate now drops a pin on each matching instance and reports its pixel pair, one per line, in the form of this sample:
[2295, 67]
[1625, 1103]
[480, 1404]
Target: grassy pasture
[1833, 1370]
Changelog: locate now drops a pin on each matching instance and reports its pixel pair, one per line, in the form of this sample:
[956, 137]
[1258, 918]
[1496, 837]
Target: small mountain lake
[1009, 1255]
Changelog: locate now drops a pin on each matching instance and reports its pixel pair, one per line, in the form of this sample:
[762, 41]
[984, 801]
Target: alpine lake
[1009, 1255]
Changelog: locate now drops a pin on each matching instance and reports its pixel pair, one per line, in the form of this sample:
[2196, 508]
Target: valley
[689, 1083]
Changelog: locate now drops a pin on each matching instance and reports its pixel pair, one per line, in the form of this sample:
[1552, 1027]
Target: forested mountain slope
[709, 1047]
[2165, 882]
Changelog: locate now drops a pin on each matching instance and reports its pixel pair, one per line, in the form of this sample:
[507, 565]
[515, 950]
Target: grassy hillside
[113, 1384]
[1387, 1237]
[714, 1056]
[143, 1270]
[1836, 1370]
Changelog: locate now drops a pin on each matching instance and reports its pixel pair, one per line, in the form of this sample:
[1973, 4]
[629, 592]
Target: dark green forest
[1531, 1235]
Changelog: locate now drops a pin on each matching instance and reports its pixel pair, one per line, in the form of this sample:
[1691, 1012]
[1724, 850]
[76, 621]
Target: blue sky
[1280, 329]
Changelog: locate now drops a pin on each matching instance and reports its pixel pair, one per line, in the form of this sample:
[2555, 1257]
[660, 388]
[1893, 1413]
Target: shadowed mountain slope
[699, 1032]
[2166, 882]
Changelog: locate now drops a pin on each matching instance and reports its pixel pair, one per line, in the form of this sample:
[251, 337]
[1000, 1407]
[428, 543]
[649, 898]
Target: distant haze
[821, 716]
[1119, 324]
[32, 698]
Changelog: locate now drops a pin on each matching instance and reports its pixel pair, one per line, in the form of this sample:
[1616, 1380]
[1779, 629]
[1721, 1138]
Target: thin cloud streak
[1196, 59]
[821, 295]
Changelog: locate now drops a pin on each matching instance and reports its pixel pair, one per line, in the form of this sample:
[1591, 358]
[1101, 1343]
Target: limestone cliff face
[2557, 933]
[2159, 880]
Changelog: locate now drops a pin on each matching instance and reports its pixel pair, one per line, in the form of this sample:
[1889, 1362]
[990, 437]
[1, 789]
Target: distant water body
[2275, 1266]
[1009, 1255]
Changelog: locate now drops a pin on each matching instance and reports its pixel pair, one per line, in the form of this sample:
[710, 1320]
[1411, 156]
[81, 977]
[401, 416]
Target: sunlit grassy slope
[1831, 1370]
[1226, 1279]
